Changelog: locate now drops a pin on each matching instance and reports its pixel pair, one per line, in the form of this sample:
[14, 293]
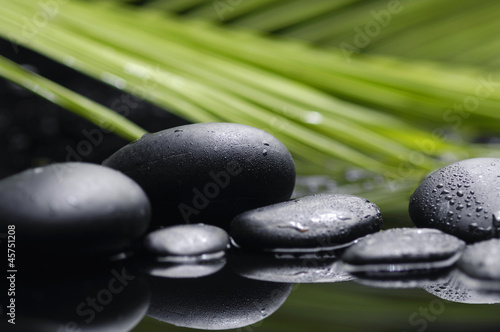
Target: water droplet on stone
[496, 219]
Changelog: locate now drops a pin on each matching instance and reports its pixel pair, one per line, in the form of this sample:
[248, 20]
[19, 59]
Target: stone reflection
[103, 298]
[188, 270]
[403, 281]
[456, 290]
[223, 300]
[312, 268]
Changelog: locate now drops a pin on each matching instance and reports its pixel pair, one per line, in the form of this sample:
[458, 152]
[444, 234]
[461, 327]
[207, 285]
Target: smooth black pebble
[185, 242]
[481, 264]
[73, 209]
[403, 250]
[207, 172]
[316, 222]
[460, 199]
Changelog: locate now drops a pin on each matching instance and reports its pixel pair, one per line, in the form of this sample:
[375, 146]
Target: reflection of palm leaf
[368, 112]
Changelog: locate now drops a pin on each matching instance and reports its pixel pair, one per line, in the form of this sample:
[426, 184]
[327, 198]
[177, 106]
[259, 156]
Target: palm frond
[374, 113]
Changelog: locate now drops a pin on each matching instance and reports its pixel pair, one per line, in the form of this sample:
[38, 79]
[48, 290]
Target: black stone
[316, 222]
[207, 172]
[460, 199]
[187, 240]
[73, 209]
[403, 250]
[480, 262]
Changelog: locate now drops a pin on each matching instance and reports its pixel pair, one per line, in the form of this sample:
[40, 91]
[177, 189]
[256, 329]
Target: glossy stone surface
[461, 199]
[403, 250]
[73, 209]
[207, 172]
[318, 221]
[186, 240]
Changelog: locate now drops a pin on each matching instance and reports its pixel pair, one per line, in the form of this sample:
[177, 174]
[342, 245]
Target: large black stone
[461, 199]
[207, 172]
[73, 209]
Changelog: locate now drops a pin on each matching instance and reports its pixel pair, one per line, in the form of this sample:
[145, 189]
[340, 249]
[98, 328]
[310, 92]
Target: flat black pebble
[403, 250]
[207, 172]
[316, 222]
[187, 240]
[481, 261]
[461, 199]
[73, 209]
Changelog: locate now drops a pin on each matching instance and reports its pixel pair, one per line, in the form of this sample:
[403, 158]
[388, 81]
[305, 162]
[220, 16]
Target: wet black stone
[319, 222]
[481, 260]
[187, 240]
[207, 172]
[73, 209]
[460, 199]
[403, 250]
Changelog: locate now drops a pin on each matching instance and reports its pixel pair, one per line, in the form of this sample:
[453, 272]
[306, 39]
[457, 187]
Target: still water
[246, 292]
